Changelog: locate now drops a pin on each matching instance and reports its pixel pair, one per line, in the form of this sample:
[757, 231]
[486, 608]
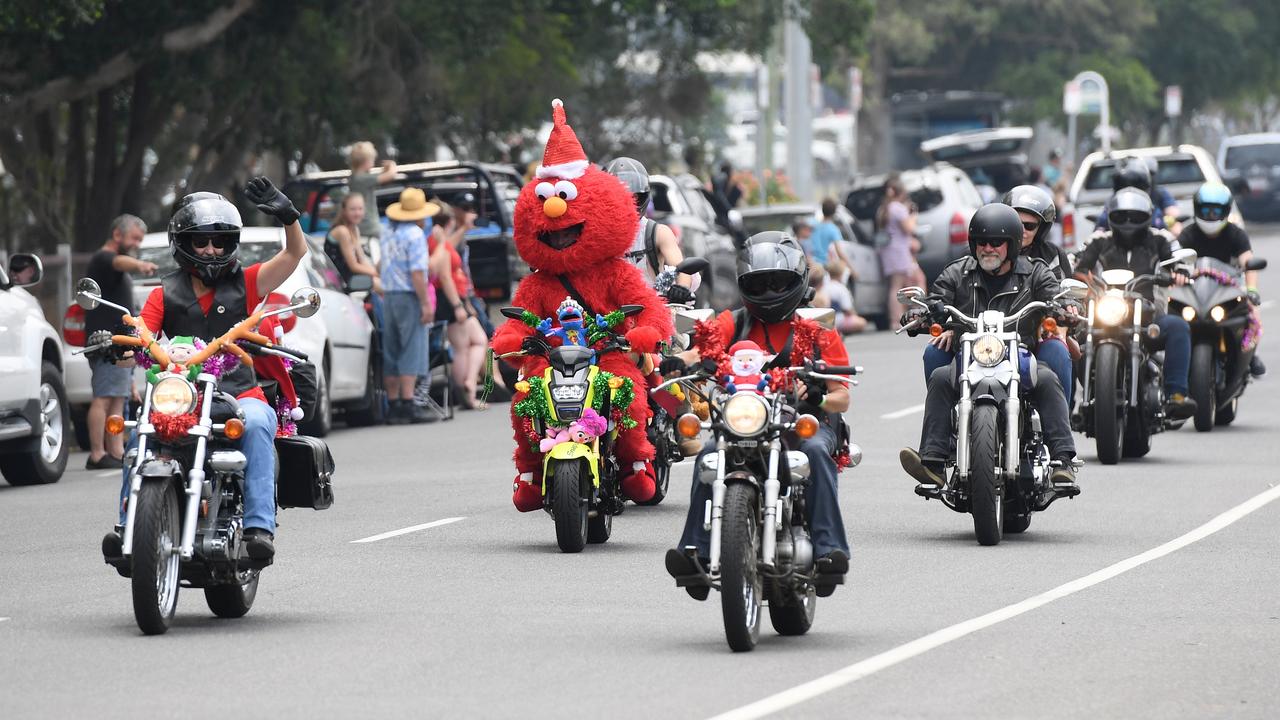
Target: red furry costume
[577, 221]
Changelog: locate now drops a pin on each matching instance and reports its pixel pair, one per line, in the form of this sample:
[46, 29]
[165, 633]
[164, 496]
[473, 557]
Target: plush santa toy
[572, 225]
[747, 361]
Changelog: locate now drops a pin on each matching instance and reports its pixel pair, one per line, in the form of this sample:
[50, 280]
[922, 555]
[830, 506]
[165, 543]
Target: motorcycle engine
[802, 549]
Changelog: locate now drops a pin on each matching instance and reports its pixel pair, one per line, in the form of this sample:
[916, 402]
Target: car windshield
[865, 202]
[250, 253]
[764, 222]
[1170, 171]
[962, 151]
[1243, 156]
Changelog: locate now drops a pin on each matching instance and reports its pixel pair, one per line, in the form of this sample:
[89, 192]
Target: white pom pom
[557, 103]
[296, 413]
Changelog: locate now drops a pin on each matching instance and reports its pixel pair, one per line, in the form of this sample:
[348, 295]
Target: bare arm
[388, 172]
[125, 263]
[664, 240]
[281, 266]
[1250, 276]
[837, 399]
[352, 253]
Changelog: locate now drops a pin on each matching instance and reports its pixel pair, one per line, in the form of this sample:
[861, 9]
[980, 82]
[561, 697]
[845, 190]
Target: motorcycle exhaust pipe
[768, 532]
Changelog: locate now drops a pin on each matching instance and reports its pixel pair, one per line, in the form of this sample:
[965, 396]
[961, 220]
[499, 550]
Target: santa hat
[563, 158]
[744, 345]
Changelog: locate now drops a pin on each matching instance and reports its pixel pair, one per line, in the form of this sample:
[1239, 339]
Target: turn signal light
[1050, 325]
[806, 426]
[689, 425]
[115, 424]
[935, 329]
[234, 429]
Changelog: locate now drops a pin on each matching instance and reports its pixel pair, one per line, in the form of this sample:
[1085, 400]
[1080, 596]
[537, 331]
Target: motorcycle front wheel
[156, 563]
[569, 506]
[986, 487]
[1109, 404]
[1203, 381]
[740, 585]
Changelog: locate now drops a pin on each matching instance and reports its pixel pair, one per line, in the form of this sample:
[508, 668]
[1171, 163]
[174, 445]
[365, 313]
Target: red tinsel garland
[173, 427]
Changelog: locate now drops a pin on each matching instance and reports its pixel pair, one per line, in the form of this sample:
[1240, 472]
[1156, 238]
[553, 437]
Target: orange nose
[555, 206]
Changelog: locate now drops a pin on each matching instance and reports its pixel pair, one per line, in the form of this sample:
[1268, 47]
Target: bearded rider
[207, 295]
[572, 226]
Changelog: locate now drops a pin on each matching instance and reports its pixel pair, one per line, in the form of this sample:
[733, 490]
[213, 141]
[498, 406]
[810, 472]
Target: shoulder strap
[651, 244]
[577, 296]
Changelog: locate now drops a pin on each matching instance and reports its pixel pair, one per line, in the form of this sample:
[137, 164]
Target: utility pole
[799, 105]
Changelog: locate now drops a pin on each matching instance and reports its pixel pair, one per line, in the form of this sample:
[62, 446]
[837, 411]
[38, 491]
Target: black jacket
[1052, 255]
[960, 284]
[1141, 258]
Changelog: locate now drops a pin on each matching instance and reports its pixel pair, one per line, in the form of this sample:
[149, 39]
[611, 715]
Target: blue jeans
[1050, 352]
[822, 505]
[259, 448]
[1175, 338]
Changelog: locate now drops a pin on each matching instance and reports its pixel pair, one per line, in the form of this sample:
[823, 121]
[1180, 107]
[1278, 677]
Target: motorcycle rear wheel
[1203, 381]
[791, 612]
[232, 601]
[1227, 414]
[661, 460]
[568, 506]
[156, 563]
[741, 588]
[1109, 406]
[1015, 523]
[986, 487]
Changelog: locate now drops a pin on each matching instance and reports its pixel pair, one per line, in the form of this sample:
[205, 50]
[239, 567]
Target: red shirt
[460, 280]
[153, 312]
[774, 337]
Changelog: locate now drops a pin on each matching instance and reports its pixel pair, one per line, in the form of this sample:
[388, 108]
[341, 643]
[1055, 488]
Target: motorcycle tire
[569, 506]
[791, 612]
[986, 486]
[661, 465]
[1203, 381]
[599, 525]
[741, 588]
[233, 601]
[1109, 404]
[1227, 413]
[1137, 436]
[156, 563]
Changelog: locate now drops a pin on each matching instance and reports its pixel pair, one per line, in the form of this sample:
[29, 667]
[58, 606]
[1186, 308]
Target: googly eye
[544, 190]
[566, 190]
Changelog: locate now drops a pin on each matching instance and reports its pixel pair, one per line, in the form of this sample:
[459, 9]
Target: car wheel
[43, 458]
[320, 425]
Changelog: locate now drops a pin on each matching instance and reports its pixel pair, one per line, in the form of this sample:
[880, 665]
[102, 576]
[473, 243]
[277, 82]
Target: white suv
[33, 402]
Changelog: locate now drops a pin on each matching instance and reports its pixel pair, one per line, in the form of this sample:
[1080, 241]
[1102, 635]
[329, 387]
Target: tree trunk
[77, 163]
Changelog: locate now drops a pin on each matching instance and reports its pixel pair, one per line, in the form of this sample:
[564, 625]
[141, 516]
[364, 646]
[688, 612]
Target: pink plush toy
[587, 428]
[747, 360]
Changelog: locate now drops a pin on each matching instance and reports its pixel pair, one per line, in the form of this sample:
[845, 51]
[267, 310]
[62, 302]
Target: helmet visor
[1212, 212]
[764, 284]
[1129, 218]
[770, 256]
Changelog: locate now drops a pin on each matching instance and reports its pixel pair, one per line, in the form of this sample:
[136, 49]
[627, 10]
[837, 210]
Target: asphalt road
[483, 617]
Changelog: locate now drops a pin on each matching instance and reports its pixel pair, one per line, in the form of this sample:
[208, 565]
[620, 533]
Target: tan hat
[413, 206]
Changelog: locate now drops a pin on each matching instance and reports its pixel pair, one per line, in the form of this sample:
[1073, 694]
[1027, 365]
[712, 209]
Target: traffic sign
[1173, 101]
[1071, 98]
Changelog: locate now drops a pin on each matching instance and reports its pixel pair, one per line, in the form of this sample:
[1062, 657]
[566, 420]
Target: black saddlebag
[306, 473]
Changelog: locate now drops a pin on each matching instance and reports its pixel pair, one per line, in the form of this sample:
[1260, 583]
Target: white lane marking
[919, 646]
[406, 531]
[903, 412]
[3, 619]
[108, 473]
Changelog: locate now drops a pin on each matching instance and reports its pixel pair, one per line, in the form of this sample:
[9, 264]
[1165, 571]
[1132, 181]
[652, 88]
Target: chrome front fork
[195, 476]
[142, 430]
[769, 530]
[962, 418]
[1012, 408]
[715, 511]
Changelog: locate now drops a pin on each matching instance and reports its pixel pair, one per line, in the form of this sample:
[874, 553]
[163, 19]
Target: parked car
[341, 344]
[490, 189]
[681, 203]
[35, 420]
[945, 199]
[1251, 167]
[869, 292]
[1181, 171]
[995, 158]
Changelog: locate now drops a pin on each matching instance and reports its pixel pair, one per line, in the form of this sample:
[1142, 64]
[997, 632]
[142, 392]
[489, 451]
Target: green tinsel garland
[534, 405]
[612, 320]
[530, 319]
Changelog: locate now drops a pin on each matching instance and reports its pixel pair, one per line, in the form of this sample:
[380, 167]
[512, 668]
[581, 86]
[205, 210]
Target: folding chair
[439, 355]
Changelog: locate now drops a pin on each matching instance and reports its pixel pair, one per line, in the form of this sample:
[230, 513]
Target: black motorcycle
[1223, 338]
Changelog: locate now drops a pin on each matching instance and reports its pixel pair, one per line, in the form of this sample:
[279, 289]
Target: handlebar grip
[296, 353]
[842, 370]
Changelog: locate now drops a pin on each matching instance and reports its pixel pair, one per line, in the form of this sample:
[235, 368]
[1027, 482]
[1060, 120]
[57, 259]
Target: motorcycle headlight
[173, 396]
[988, 350]
[1111, 310]
[1188, 313]
[568, 393]
[746, 414]
[1217, 313]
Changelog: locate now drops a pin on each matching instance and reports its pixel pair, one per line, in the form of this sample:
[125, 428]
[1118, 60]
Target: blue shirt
[403, 251]
[825, 234]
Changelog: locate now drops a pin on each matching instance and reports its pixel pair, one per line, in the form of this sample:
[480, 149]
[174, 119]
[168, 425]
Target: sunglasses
[1030, 226]
[1129, 217]
[219, 242]
[989, 242]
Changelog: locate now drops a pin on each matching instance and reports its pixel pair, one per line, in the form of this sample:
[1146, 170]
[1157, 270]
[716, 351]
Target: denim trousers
[822, 503]
[1050, 352]
[259, 448]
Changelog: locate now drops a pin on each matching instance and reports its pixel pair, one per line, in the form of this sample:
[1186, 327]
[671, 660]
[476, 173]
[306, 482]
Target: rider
[204, 236]
[1139, 173]
[993, 276]
[655, 247]
[773, 277]
[1133, 244]
[1213, 235]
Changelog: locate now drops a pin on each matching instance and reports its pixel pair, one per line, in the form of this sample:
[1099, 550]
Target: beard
[990, 263]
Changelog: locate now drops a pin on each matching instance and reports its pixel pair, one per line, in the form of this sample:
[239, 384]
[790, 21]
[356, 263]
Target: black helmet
[1129, 215]
[206, 215]
[1131, 173]
[773, 275]
[1033, 199]
[996, 221]
[633, 174]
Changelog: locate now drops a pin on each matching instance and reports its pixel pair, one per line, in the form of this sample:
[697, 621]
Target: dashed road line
[406, 531]
[903, 412]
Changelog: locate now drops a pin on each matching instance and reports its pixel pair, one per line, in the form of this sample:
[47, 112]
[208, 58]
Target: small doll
[747, 360]
[583, 430]
[180, 350]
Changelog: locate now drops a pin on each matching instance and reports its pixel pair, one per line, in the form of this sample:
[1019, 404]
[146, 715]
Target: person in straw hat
[408, 302]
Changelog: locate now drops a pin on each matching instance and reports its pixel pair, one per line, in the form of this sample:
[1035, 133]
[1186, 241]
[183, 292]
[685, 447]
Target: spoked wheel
[661, 459]
[233, 601]
[569, 506]
[791, 611]
[740, 587]
[986, 487]
[1204, 382]
[156, 563]
[1109, 404]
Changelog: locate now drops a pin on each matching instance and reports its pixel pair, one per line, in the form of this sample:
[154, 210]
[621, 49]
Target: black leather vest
[183, 316]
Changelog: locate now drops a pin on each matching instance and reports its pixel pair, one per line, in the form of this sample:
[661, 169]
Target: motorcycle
[1002, 467]
[1122, 398]
[1223, 337]
[184, 512]
[760, 550]
[581, 484]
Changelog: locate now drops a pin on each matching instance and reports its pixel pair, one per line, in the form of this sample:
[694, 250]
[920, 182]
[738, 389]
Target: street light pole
[799, 105]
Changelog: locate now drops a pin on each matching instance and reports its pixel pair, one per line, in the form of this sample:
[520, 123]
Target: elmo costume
[572, 226]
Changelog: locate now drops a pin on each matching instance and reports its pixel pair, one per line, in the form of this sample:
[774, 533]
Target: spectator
[831, 292]
[897, 259]
[363, 181]
[342, 243]
[453, 287]
[802, 229]
[1052, 170]
[826, 237]
[725, 187]
[407, 304]
[112, 382]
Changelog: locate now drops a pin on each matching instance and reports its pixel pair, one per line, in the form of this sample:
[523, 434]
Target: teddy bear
[573, 223]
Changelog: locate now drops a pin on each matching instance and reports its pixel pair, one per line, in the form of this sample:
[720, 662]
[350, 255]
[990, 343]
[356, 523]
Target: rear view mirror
[305, 302]
[1092, 217]
[687, 319]
[907, 294]
[360, 283]
[1073, 290]
[693, 265]
[515, 313]
[1256, 263]
[629, 310]
[826, 317]
[1181, 256]
[25, 269]
[88, 294]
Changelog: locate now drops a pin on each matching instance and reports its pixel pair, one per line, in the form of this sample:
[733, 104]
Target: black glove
[679, 294]
[1254, 297]
[671, 365]
[532, 345]
[98, 343]
[270, 200]
[814, 391]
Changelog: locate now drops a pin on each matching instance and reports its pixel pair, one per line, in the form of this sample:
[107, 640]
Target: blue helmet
[1211, 206]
